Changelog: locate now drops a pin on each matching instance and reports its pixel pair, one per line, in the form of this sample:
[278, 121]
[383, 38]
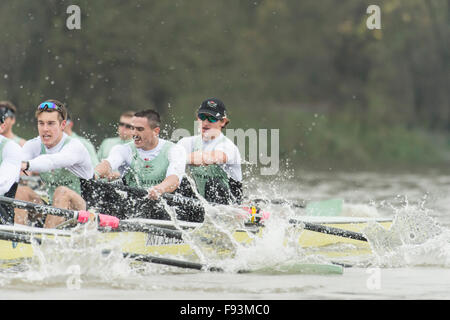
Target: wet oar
[329, 230]
[186, 202]
[22, 238]
[103, 220]
[17, 237]
[172, 262]
[329, 207]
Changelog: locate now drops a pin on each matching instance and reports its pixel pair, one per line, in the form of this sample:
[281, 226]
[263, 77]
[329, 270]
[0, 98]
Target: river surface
[415, 271]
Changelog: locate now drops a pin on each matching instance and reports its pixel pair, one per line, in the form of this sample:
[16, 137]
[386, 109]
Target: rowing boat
[150, 243]
[153, 240]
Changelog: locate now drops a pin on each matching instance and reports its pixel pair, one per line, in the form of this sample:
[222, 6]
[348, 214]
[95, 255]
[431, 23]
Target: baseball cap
[4, 113]
[213, 107]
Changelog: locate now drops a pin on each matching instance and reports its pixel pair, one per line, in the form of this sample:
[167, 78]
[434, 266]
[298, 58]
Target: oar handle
[39, 208]
[141, 192]
[103, 220]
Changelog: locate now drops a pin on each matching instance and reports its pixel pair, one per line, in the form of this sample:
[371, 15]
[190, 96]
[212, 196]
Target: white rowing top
[121, 155]
[222, 143]
[12, 156]
[73, 156]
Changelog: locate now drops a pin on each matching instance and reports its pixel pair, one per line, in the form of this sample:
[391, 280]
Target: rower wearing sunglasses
[125, 135]
[213, 159]
[10, 161]
[62, 162]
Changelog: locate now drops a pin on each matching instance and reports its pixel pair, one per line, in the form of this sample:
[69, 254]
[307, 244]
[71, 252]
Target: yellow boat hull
[143, 243]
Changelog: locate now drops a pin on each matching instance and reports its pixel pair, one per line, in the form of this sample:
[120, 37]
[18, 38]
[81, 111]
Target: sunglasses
[203, 117]
[48, 106]
[126, 125]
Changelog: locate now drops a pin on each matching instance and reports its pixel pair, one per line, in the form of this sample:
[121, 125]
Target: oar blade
[325, 208]
[301, 268]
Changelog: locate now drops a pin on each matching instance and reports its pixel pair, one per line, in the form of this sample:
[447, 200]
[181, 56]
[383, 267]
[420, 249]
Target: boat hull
[143, 243]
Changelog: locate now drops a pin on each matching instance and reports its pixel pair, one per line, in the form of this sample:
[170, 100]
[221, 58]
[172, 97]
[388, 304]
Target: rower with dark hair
[10, 161]
[151, 163]
[124, 135]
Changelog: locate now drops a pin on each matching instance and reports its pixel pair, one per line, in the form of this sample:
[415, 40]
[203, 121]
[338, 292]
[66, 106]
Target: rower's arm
[169, 184]
[201, 158]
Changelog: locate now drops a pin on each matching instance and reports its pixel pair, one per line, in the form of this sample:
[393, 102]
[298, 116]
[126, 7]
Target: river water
[414, 271]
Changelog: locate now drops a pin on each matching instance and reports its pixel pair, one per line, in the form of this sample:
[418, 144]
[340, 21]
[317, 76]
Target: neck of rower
[152, 145]
[56, 142]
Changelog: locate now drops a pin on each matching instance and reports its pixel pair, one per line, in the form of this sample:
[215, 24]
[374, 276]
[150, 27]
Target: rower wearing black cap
[214, 161]
[10, 162]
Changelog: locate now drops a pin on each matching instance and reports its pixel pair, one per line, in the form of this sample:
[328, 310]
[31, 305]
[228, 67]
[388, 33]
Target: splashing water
[414, 239]
[274, 250]
[75, 259]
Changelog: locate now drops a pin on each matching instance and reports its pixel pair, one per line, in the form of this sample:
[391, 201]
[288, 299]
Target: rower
[62, 162]
[151, 163]
[10, 160]
[214, 161]
[9, 111]
[88, 144]
[125, 135]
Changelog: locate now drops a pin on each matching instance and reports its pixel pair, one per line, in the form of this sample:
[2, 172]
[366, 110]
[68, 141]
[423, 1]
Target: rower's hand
[114, 176]
[155, 192]
[24, 167]
[196, 158]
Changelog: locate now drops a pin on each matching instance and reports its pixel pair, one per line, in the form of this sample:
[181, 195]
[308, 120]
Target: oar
[116, 224]
[329, 230]
[329, 207]
[103, 220]
[17, 237]
[335, 203]
[191, 203]
[172, 262]
[11, 236]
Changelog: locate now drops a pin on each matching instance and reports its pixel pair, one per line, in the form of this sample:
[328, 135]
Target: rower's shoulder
[227, 141]
[75, 142]
[186, 139]
[9, 145]
[36, 141]
[187, 142]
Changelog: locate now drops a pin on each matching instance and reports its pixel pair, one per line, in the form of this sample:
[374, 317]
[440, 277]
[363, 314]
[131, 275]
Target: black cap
[213, 107]
[4, 113]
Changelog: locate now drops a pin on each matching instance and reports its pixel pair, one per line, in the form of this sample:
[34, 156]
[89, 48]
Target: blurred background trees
[340, 93]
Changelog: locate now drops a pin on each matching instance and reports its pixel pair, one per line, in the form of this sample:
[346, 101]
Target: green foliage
[277, 64]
